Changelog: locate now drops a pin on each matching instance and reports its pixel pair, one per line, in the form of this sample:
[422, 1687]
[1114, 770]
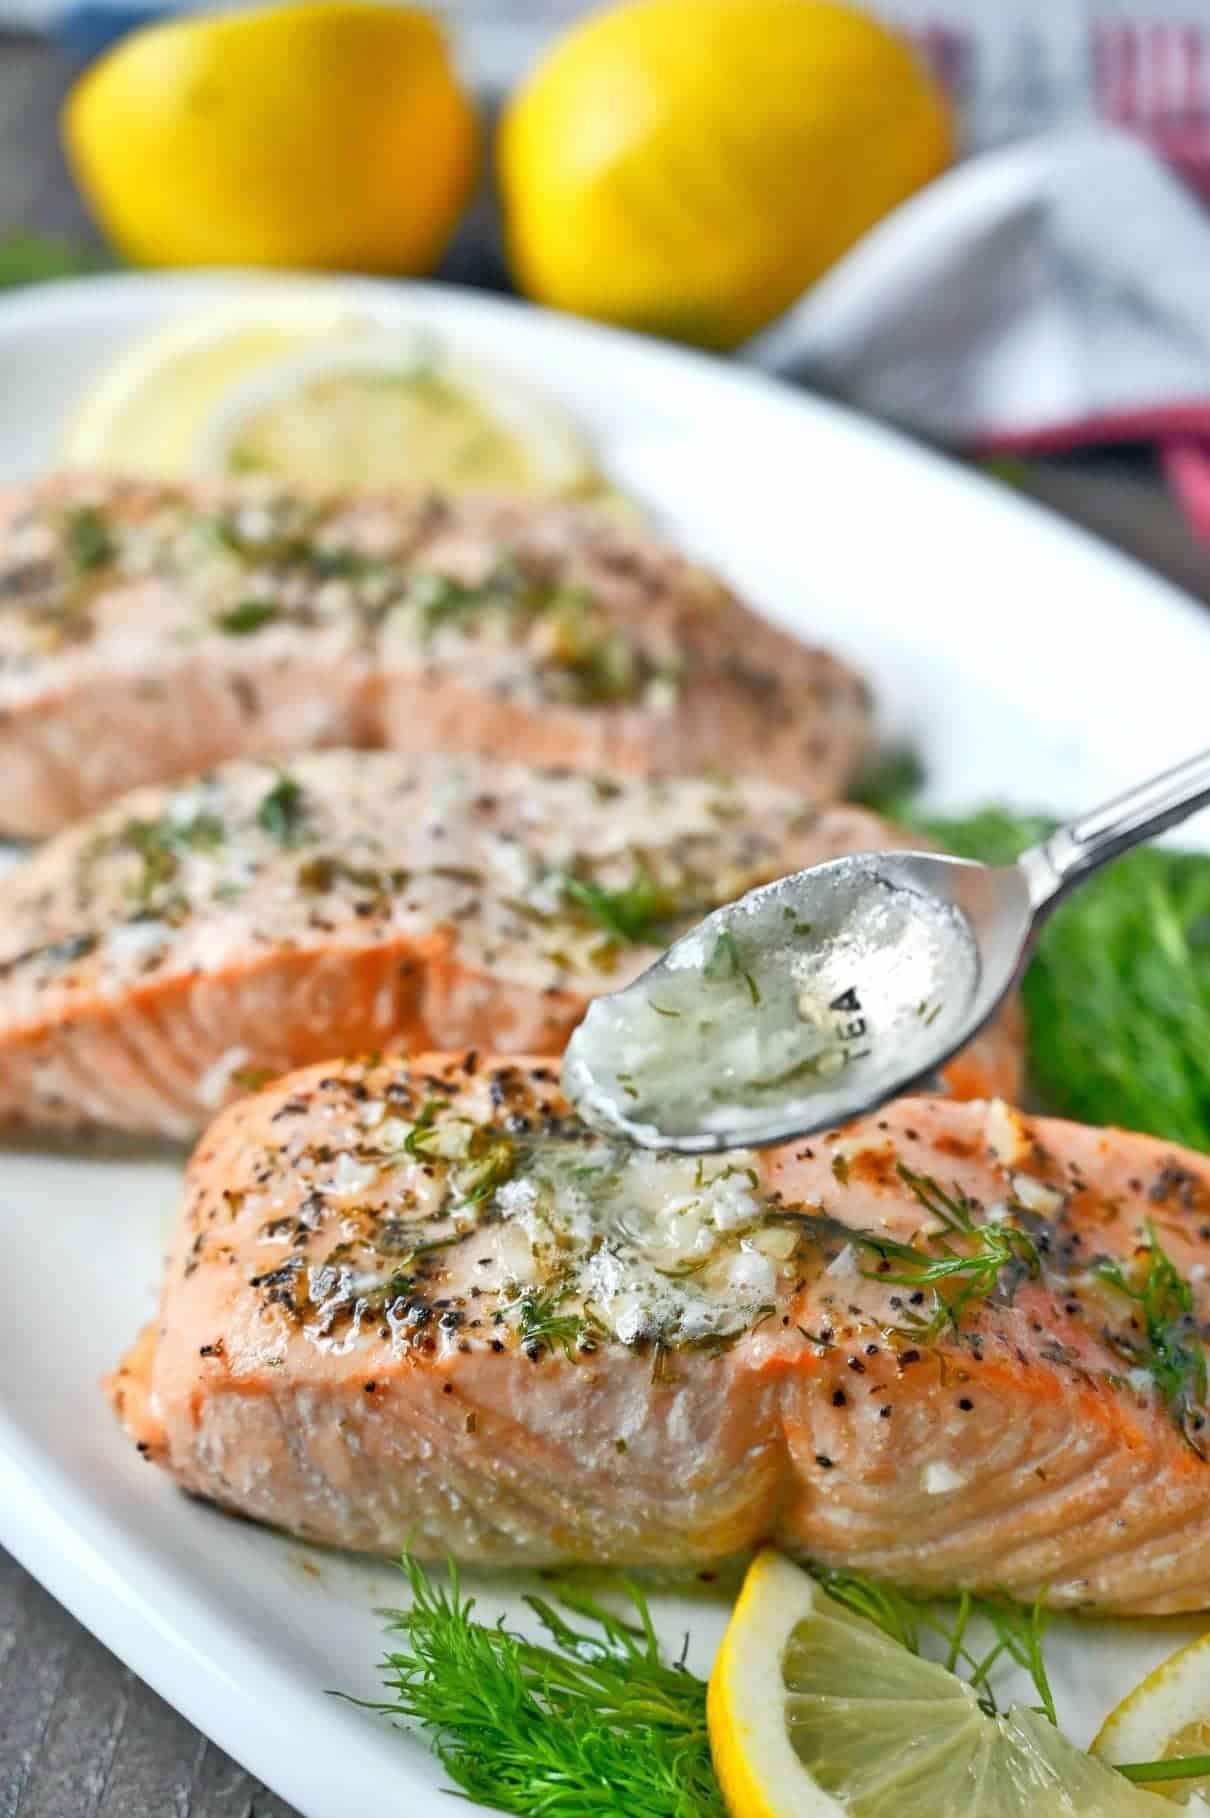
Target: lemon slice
[143, 414]
[394, 409]
[815, 1713]
[1168, 1714]
[295, 380]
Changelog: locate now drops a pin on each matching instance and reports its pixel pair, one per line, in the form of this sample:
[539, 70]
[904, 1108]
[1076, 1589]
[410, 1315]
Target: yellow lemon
[1165, 1717]
[690, 166]
[331, 135]
[815, 1713]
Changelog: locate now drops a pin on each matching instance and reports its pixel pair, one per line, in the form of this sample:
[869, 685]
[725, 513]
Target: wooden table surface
[81, 1736]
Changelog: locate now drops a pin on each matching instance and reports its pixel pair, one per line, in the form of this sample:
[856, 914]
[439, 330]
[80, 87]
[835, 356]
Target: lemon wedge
[298, 382]
[815, 1713]
[1167, 1715]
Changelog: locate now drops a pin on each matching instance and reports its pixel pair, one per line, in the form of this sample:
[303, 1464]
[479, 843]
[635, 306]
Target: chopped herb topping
[956, 1277]
[247, 617]
[87, 539]
[636, 914]
[159, 844]
[726, 962]
[1170, 1350]
[282, 812]
[542, 1326]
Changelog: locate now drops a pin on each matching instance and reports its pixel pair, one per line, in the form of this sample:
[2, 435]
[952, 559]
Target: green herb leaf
[956, 1277]
[1170, 1349]
[591, 1720]
[283, 810]
[1018, 1631]
[726, 962]
[87, 539]
[636, 914]
[159, 844]
[247, 617]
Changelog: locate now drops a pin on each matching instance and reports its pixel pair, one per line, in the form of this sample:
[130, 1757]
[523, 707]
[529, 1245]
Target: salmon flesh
[150, 631]
[187, 941]
[417, 1302]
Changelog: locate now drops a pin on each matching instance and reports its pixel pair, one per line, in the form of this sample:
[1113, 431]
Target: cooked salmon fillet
[417, 1303]
[156, 956]
[149, 631]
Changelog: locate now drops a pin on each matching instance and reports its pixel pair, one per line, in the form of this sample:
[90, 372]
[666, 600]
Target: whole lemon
[332, 135]
[688, 167]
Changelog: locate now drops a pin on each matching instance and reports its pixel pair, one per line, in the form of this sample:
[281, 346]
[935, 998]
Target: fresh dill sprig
[1171, 1350]
[591, 1721]
[968, 1275]
[1018, 1631]
[543, 1327]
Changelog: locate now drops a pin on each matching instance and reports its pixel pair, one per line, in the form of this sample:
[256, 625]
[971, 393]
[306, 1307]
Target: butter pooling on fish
[419, 1303]
[149, 631]
[188, 940]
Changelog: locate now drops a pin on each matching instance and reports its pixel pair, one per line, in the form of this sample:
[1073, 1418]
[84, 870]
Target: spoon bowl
[818, 997]
[860, 977]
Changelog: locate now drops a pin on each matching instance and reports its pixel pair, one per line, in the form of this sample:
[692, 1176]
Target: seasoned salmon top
[414, 1302]
[456, 1203]
[549, 876]
[161, 628]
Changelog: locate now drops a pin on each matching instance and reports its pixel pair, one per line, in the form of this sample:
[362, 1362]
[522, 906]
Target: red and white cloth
[1050, 295]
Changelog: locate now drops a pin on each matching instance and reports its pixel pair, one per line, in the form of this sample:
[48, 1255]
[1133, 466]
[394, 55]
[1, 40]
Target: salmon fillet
[418, 1303]
[154, 957]
[149, 631]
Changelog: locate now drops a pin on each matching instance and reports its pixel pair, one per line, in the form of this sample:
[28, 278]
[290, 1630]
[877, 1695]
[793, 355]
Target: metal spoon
[818, 997]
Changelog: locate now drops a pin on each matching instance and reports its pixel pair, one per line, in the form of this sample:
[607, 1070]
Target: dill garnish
[1171, 1350]
[543, 1327]
[968, 1275]
[590, 1720]
[242, 620]
[1018, 1631]
[635, 914]
[87, 539]
[283, 811]
[726, 962]
[159, 844]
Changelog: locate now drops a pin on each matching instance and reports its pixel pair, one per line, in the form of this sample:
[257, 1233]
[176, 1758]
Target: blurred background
[988, 227]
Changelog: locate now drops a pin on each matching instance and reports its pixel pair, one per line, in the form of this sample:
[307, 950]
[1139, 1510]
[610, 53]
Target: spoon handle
[1104, 833]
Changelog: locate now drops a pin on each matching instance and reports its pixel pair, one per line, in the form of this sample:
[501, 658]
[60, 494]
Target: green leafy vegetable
[247, 617]
[1171, 1349]
[283, 811]
[956, 1277]
[592, 1720]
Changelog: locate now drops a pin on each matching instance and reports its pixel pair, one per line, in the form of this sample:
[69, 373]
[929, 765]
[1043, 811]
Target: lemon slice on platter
[815, 1713]
[1167, 1714]
[395, 409]
[143, 413]
[300, 384]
